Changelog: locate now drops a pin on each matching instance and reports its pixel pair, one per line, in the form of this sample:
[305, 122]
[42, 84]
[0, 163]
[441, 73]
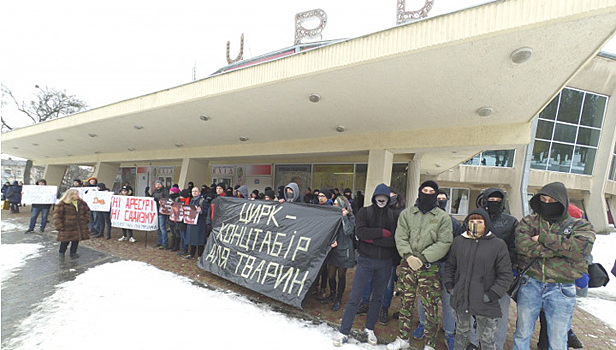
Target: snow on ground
[13, 256]
[132, 305]
[601, 302]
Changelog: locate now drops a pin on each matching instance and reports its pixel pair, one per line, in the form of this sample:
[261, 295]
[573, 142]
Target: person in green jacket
[423, 237]
[555, 246]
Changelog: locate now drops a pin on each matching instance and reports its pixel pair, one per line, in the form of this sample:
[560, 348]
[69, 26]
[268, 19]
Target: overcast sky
[109, 51]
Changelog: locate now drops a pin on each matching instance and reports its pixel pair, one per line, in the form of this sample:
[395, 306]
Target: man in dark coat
[374, 227]
[13, 195]
[37, 209]
[160, 193]
[477, 274]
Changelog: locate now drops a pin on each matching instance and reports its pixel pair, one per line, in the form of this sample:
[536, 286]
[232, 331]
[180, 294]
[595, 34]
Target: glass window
[544, 130]
[458, 200]
[298, 173]
[332, 176]
[583, 160]
[399, 176]
[613, 169]
[540, 155]
[560, 157]
[500, 158]
[361, 173]
[588, 137]
[594, 108]
[549, 112]
[565, 133]
[576, 126]
[570, 106]
[476, 160]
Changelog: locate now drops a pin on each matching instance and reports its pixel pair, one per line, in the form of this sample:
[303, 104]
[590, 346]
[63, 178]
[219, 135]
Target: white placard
[139, 213]
[98, 200]
[39, 194]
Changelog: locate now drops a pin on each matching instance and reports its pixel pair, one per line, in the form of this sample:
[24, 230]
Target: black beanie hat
[327, 193]
[429, 183]
[270, 193]
[222, 185]
[184, 193]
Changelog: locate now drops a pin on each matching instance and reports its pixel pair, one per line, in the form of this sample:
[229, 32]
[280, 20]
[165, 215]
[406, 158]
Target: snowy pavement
[133, 305]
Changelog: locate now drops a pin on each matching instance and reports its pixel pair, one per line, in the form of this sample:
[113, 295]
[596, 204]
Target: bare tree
[49, 103]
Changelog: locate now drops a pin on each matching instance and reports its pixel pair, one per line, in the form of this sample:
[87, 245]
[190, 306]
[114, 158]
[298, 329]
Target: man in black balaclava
[503, 226]
[449, 320]
[554, 247]
[423, 237]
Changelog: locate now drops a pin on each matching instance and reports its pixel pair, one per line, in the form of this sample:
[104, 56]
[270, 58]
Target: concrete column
[107, 173]
[194, 170]
[596, 207]
[54, 174]
[413, 180]
[514, 197]
[380, 163]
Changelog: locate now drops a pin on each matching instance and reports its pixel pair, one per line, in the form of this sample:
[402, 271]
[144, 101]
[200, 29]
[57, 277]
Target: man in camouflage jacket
[560, 245]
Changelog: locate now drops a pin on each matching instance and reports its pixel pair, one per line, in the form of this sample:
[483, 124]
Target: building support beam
[514, 195]
[413, 180]
[595, 203]
[54, 174]
[194, 170]
[380, 163]
[107, 173]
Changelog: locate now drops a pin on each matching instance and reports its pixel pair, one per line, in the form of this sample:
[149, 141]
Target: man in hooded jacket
[374, 227]
[555, 247]
[291, 192]
[477, 274]
[503, 226]
[423, 237]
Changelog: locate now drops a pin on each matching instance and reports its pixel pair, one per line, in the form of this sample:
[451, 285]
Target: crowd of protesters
[466, 268]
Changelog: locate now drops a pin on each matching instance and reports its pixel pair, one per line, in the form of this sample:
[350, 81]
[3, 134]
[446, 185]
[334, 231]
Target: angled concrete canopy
[414, 89]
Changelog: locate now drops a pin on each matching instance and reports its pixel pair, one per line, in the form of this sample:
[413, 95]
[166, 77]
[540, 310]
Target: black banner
[275, 249]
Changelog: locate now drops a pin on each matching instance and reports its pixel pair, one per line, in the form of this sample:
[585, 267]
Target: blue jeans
[103, 220]
[162, 229]
[449, 319]
[367, 269]
[389, 290]
[501, 330]
[558, 302]
[34, 215]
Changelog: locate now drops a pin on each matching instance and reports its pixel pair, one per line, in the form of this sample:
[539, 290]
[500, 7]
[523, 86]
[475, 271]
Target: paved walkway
[36, 280]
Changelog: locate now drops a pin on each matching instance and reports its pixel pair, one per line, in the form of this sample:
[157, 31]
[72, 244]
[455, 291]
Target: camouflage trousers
[486, 328]
[424, 284]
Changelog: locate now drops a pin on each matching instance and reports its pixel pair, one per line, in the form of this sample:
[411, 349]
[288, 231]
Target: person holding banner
[195, 234]
[158, 194]
[104, 217]
[374, 227]
[342, 255]
[71, 218]
[37, 209]
[127, 233]
[183, 199]
[174, 220]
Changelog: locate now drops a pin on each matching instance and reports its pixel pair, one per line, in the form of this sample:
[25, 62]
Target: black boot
[337, 303]
[384, 316]
[363, 308]
[327, 299]
[573, 341]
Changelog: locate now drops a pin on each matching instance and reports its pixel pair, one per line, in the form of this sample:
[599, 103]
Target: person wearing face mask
[554, 246]
[374, 227]
[448, 320]
[423, 237]
[477, 274]
[503, 227]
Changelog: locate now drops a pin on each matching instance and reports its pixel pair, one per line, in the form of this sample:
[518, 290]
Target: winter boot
[337, 303]
[573, 341]
[384, 316]
[363, 309]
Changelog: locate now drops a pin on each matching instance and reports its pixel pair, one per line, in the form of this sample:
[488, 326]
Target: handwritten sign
[34, 194]
[177, 212]
[98, 200]
[275, 249]
[165, 206]
[137, 213]
[190, 214]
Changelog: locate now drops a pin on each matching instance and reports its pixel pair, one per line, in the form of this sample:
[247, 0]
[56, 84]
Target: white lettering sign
[35, 194]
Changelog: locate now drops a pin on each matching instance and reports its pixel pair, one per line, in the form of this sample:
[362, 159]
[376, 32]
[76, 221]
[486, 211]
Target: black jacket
[503, 225]
[476, 267]
[369, 225]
